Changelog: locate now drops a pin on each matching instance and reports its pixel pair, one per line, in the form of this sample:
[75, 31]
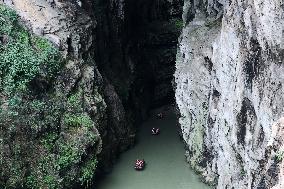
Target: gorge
[78, 77]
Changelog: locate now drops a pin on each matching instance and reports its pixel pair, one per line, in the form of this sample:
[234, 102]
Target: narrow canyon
[81, 83]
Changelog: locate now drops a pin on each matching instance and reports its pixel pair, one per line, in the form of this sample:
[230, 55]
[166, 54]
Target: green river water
[164, 154]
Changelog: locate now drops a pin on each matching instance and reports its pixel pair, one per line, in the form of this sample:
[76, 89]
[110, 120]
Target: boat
[139, 164]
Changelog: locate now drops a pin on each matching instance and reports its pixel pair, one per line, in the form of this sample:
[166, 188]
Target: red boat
[139, 164]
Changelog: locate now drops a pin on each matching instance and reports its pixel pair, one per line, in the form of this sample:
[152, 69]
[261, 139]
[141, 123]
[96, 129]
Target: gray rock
[229, 89]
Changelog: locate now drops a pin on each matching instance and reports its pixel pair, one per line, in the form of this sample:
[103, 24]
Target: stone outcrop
[229, 90]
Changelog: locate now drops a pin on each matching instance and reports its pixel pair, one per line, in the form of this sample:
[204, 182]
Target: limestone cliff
[229, 90]
[81, 74]
[51, 108]
[76, 75]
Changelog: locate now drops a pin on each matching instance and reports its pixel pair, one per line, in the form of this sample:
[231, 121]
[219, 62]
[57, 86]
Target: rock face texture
[62, 130]
[117, 62]
[229, 90]
[50, 137]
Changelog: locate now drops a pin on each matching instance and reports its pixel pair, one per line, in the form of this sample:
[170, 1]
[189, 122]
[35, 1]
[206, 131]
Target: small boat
[155, 131]
[160, 115]
[139, 164]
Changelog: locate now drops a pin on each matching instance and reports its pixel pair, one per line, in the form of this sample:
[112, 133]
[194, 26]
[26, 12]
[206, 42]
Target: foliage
[48, 133]
[178, 23]
[44, 174]
[35, 115]
[48, 140]
[8, 18]
[279, 155]
[74, 102]
[68, 154]
[51, 182]
[88, 172]
[31, 181]
[76, 120]
[74, 117]
[23, 56]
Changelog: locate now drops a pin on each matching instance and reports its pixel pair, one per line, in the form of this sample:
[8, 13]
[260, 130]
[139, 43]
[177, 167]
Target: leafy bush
[177, 23]
[88, 172]
[68, 155]
[279, 155]
[74, 102]
[77, 120]
[48, 141]
[23, 56]
[74, 117]
[8, 18]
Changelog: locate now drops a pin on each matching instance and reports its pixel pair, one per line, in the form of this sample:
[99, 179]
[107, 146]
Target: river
[164, 154]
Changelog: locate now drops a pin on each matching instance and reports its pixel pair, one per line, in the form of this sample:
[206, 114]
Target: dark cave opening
[154, 31]
[135, 53]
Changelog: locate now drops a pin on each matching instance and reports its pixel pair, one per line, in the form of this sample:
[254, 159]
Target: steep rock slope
[229, 90]
[49, 121]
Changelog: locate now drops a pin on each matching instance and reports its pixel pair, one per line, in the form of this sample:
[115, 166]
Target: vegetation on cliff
[23, 56]
[47, 140]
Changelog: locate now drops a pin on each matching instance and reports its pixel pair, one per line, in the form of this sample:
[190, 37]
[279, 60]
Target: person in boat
[139, 164]
[160, 115]
[155, 131]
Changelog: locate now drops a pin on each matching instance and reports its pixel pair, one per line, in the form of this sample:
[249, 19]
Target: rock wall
[51, 139]
[75, 124]
[229, 90]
